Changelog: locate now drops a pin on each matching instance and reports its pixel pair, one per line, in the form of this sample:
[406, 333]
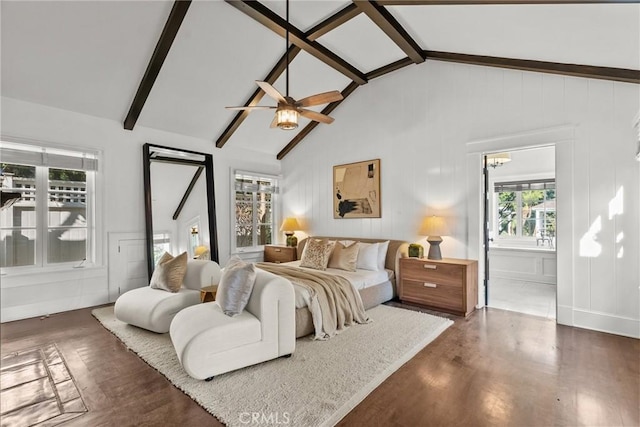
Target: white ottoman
[154, 309]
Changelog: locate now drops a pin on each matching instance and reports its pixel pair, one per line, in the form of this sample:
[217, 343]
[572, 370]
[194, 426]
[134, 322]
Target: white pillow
[236, 285]
[382, 254]
[367, 256]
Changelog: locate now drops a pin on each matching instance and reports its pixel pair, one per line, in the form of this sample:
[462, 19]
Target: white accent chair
[209, 343]
[154, 309]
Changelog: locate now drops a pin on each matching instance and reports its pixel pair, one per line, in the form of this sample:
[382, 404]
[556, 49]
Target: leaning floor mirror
[179, 204]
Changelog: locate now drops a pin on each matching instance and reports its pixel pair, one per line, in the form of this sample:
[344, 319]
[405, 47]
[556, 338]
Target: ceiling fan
[288, 109]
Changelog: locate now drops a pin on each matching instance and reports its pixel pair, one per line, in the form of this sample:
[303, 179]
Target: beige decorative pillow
[316, 254]
[344, 257]
[169, 273]
[236, 285]
[332, 243]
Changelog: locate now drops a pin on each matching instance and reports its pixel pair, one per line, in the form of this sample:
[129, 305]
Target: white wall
[419, 122]
[122, 203]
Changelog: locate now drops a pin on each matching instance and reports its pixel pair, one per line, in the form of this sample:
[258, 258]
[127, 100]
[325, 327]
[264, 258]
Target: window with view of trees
[254, 204]
[526, 210]
[49, 224]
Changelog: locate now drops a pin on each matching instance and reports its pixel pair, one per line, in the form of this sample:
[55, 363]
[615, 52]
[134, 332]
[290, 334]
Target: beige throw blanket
[334, 303]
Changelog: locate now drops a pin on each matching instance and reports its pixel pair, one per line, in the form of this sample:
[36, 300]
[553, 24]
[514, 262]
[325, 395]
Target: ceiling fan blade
[255, 107]
[271, 91]
[320, 98]
[274, 122]
[318, 117]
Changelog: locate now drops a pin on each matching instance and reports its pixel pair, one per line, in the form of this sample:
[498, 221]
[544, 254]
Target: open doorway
[521, 226]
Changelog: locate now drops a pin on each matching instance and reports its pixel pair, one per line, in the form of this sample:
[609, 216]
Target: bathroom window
[526, 210]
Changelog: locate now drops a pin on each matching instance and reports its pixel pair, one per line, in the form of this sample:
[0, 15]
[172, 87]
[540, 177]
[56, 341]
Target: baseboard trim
[47, 308]
[564, 315]
[601, 322]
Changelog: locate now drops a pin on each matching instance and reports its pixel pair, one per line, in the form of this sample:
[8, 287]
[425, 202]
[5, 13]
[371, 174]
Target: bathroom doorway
[521, 231]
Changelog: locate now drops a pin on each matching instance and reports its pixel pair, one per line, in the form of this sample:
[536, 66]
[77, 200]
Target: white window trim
[518, 201]
[94, 211]
[275, 207]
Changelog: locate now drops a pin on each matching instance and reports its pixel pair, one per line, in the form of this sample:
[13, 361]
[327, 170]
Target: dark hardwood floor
[493, 368]
[118, 388]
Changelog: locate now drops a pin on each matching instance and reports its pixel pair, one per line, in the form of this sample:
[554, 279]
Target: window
[254, 199]
[161, 244]
[48, 220]
[526, 210]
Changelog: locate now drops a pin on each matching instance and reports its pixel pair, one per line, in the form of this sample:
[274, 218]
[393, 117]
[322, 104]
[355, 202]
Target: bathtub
[525, 263]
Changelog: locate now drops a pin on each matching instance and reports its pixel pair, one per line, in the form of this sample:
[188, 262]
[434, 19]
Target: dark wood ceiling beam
[345, 14]
[187, 193]
[257, 96]
[342, 16]
[308, 128]
[378, 72]
[277, 24]
[175, 161]
[392, 28]
[586, 71]
[169, 32]
[483, 2]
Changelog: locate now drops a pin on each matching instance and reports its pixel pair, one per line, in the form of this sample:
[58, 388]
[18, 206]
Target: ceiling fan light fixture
[287, 118]
[289, 110]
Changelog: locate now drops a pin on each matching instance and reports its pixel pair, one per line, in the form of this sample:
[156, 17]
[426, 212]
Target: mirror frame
[211, 203]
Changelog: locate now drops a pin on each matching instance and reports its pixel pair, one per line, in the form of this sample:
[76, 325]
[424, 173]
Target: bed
[374, 287]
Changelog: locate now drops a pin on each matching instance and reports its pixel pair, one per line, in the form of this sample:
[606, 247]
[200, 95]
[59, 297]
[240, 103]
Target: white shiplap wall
[420, 122]
[121, 199]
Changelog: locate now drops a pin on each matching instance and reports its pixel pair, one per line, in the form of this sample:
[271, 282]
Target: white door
[127, 263]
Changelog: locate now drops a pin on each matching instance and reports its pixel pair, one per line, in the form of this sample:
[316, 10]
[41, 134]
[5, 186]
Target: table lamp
[433, 227]
[289, 225]
[202, 252]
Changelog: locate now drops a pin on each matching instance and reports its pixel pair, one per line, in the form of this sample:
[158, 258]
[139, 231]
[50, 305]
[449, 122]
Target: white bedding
[360, 279]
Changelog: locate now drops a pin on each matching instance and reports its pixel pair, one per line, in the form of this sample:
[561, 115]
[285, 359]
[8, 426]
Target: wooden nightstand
[449, 285]
[278, 254]
[208, 293]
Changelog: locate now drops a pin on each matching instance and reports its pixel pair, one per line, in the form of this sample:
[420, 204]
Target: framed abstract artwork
[356, 190]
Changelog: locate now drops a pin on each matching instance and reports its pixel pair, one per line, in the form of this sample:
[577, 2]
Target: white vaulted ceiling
[89, 57]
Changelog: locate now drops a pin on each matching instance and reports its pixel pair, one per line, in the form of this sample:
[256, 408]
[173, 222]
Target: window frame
[498, 187]
[255, 176]
[93, 251]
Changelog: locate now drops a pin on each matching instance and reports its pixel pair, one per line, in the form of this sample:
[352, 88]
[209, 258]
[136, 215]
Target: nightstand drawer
[446, 274]
[433, 294]
[279, 253]
[449, 285]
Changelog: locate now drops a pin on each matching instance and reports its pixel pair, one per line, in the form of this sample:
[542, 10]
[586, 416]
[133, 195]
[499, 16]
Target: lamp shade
[287, 117]
[199, 250]
[434, 226]
[290, 224]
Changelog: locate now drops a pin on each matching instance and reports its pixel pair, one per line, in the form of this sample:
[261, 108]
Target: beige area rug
[37, 389]
[317, 386]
